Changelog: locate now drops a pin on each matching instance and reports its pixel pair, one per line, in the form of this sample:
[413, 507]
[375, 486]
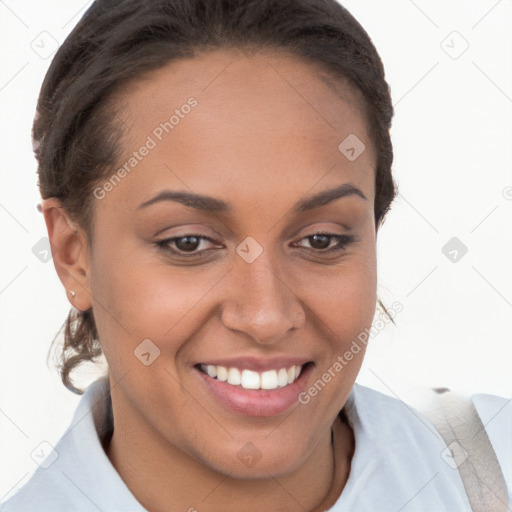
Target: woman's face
[259, 136]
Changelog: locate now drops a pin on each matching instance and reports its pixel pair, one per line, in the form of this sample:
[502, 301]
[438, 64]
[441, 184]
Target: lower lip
[253, 402]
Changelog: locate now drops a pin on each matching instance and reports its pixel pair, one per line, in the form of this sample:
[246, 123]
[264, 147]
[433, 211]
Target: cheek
[138, 296]
[344, 299]
[342, 311]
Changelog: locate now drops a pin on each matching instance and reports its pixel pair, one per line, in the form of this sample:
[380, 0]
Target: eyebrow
[213, 205]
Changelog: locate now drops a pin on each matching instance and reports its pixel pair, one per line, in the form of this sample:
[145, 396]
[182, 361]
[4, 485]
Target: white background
[452, 136]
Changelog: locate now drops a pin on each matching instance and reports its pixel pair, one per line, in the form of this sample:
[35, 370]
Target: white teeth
[234, 377]
[282, 377]
[222, 373]
[269, 379]
[248, 379]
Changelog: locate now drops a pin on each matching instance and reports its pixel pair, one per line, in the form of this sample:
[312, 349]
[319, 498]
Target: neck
[314, 486]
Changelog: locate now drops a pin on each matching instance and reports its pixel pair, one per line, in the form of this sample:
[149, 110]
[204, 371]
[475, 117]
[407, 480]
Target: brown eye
[322, 241]
[185, 245]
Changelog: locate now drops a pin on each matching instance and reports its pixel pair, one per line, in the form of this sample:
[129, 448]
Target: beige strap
[469, 450]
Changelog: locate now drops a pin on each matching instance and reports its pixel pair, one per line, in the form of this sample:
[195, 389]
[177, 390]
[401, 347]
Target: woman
[213, 175]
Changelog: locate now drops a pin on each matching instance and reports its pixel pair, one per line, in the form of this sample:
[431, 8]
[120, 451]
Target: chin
[255, 460]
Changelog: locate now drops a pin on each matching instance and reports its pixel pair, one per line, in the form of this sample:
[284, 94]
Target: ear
[70, 253]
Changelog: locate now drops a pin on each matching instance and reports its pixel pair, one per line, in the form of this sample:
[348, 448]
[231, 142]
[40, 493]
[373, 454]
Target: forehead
[261, 118]
[231, 79]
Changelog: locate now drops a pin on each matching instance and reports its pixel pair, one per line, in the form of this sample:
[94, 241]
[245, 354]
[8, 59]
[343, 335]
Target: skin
[264, 135]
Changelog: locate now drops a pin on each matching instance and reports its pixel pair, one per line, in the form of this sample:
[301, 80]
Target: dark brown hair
[77, 142]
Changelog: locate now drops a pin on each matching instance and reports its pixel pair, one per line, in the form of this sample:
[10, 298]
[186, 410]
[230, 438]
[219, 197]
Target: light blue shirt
[397, 463]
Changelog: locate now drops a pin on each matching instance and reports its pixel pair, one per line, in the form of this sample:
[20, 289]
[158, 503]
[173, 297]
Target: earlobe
[69, 251]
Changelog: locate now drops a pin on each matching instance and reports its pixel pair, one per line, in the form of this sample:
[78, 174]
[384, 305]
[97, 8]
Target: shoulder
[49, 487]
[407, 414]
[494, 411]
[407, 428]
[392, 428]
[390, 413]
[77, 475]
[42, 491]
[398, 451]
[496, 415]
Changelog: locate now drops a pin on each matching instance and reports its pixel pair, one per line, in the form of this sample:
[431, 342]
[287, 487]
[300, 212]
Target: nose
[260, 303]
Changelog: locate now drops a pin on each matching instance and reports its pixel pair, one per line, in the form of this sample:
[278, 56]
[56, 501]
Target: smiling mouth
[248, 379]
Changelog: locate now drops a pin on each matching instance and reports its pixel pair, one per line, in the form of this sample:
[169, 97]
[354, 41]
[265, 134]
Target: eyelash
[343, 242]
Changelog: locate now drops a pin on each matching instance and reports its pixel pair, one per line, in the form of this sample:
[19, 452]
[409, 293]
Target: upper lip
[258, 364]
